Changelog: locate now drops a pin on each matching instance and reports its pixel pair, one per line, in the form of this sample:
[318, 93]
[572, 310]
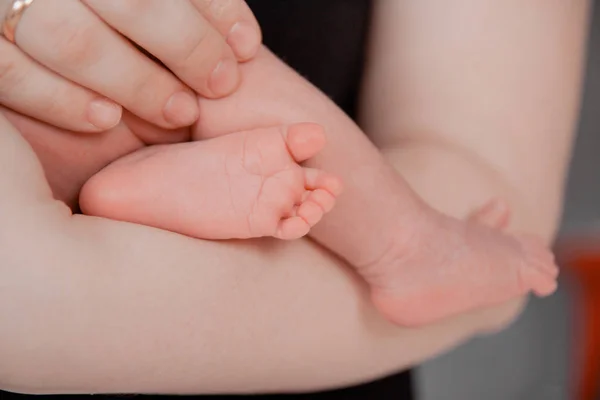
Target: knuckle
[198, 52]
[54, 103]
[223, 9]
[133, 7]
[148, 92]
[129, 8]
[202, 5]
[10, 76]
[145, 89]
[75, 43]
[53, 108]
[192, 44]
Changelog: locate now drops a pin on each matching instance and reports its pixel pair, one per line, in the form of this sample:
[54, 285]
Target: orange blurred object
[580, 257]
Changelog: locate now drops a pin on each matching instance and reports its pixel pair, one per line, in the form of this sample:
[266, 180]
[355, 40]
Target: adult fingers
[31, 89]
[177, 34]
[68, 38]
[236, 22]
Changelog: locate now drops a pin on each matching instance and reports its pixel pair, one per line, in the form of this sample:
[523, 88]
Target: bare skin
[421, 267]
[181, 329]
[244, 185]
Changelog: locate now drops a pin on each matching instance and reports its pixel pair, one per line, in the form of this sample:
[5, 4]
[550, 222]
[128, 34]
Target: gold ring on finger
[12, 18]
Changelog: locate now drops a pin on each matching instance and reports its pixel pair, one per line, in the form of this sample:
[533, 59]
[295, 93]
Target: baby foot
[451, 267]
[291, 199]
[237, 186]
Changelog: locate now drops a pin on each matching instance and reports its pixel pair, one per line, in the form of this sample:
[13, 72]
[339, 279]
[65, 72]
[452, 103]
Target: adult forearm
[123, 317]
[89, 305]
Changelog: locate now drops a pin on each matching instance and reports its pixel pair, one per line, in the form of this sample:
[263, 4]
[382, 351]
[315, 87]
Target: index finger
[235, 21]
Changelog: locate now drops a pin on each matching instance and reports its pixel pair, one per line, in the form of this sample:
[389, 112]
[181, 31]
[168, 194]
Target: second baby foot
[450, 267]
[237, 186]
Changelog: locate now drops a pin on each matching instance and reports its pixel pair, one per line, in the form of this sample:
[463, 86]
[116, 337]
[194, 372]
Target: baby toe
[304, 140]
[292, 228]
[332, 184]
[546, 288]
[538, 255]
[310, 212]
[318, 179]
[323, 198]
[540, 281]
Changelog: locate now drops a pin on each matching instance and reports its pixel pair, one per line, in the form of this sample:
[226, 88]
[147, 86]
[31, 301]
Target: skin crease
[174, 307]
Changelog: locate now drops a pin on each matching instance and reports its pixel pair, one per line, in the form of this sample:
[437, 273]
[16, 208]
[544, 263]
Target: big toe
[305, 140]
[292, 228]
[546, 288]
[102, 193]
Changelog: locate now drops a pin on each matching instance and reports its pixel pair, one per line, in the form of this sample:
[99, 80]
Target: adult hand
[75, 64]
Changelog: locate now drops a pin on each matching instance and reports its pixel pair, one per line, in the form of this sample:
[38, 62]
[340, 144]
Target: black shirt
[324, 40]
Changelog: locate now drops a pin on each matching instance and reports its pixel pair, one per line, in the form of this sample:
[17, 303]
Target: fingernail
[181, 109]
[104, 114]
[224, 78]
[244, 39]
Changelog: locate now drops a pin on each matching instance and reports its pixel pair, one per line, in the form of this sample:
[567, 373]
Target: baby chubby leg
[422, 266]
[241, 185]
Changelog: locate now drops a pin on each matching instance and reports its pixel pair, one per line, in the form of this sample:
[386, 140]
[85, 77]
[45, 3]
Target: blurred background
[534, 359]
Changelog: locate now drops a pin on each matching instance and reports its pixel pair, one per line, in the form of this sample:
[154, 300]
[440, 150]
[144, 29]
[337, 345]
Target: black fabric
[396, 387]
[323, 40]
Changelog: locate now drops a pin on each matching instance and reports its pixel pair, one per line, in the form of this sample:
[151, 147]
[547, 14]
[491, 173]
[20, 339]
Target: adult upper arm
[494, 83]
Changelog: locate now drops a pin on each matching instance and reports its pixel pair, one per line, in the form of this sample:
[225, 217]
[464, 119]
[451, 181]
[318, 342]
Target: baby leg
[421, 265]
[242, 185]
